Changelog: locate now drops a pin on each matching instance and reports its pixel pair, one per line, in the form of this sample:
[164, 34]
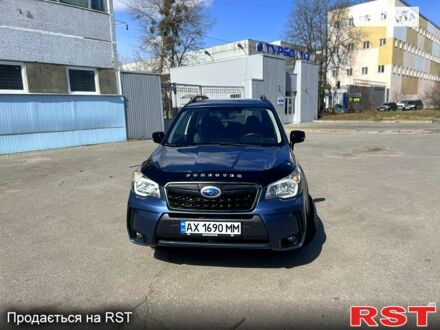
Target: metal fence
[143, 104]
[369, 96]
[31, 122]
[175, 96]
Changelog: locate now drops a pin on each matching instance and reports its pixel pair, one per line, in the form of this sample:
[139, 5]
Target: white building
[57, 42]
[399, 52]
[58, 80]
[280, 72]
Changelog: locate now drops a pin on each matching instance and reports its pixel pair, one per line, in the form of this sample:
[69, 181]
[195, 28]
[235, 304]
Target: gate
[175, 96]
[143, 104]
[367, 97]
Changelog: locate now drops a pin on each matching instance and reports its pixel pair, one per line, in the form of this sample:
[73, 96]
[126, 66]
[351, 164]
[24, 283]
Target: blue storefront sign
[264, 47]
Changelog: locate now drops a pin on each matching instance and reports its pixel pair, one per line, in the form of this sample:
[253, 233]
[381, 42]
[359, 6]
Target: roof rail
[198, 98]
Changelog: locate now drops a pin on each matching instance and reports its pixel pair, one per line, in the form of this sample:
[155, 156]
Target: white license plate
[210, 228]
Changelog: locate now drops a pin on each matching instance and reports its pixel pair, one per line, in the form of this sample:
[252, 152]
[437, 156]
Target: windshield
[228, 126]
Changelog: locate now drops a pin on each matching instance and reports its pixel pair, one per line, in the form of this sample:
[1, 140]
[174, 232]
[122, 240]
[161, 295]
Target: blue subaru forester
[223, 176]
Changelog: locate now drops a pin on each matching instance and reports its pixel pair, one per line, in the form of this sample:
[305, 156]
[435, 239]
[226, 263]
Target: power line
[218, 39]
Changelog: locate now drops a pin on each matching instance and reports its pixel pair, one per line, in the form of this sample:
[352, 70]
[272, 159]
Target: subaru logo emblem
[210, 192]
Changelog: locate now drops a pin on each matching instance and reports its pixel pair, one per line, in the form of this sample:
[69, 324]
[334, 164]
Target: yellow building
[398, 54]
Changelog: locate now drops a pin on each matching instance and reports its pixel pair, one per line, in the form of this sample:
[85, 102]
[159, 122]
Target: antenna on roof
[263, 98]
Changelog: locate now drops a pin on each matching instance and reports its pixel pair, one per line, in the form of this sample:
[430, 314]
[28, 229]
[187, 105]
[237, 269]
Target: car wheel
[311, 225]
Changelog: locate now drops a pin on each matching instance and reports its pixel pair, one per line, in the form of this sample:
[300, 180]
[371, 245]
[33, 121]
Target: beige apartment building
[397, 58]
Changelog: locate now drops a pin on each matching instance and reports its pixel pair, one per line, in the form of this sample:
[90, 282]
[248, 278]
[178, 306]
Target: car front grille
[234, 197]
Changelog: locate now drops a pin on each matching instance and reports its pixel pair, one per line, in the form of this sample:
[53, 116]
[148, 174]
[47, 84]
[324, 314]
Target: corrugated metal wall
[143, 103]
[37, 122]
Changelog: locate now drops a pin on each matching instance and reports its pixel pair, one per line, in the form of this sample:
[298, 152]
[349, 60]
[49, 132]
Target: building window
[79, 3]
[382, 42]
[349, 72]
[334, 72]
[365, 70]
[11, 77]
[366, 44]
[97, 5]
[350, 47]
[83, 81]
[89, 4]
[351, 21]
[381, 68]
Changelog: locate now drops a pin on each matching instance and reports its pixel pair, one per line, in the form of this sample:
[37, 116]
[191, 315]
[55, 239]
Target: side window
[183, 128]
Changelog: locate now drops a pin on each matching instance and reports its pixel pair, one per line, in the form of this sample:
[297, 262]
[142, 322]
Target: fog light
[139, 236]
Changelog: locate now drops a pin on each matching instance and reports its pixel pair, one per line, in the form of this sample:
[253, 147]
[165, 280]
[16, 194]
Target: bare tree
[432, 96]
[323, 27]
[171, 28]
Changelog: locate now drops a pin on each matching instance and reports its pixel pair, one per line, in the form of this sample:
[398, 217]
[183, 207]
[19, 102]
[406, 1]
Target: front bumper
[268, 226]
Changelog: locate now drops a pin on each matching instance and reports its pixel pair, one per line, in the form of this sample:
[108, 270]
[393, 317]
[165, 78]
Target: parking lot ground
[64, 246]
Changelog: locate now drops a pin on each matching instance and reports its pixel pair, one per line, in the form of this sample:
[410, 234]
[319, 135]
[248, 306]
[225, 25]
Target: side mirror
[158, 137]
[296, 137]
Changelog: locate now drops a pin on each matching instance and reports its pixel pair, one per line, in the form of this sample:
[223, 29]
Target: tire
[311, 225]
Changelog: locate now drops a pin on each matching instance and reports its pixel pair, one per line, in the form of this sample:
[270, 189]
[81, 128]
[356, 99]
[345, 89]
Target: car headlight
[285, 188]
[145, 187]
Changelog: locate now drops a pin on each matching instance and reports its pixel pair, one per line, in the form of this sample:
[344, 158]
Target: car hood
[261, 165]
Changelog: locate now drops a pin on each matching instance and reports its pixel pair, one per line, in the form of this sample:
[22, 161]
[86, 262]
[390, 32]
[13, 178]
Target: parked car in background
[387, 107]
[413, 105]
[401, 105]
[410, 105]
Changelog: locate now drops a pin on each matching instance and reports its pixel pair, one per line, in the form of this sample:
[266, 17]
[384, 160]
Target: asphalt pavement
[64, 246]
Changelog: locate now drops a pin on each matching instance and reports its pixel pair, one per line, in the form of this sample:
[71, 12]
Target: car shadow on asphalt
[249, 258]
